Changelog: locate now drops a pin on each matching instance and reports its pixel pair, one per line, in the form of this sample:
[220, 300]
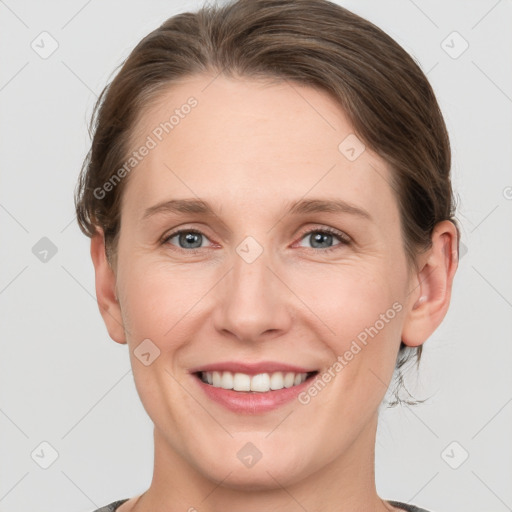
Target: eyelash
[344, 239]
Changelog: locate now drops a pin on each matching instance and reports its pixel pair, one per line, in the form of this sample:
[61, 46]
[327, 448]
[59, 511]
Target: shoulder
[111, 507]
[407, 506]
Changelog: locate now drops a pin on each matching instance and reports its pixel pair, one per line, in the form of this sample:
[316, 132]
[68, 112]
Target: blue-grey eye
[187, 239]
[319, 238]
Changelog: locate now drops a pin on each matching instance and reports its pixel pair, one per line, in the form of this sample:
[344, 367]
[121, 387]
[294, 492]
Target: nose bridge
[251, 301]
[250, 268]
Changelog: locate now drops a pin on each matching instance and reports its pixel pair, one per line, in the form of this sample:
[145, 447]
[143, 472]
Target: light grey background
[64, 382]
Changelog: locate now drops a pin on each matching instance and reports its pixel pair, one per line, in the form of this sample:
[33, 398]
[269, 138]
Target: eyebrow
[300, 207]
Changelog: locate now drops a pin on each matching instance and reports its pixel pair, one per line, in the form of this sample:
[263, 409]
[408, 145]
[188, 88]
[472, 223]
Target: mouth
[259, 383]
[252, 388]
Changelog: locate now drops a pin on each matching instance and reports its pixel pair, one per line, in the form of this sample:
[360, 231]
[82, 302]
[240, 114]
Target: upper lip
[250, 368]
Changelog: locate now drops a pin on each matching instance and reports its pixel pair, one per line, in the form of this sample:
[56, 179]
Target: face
[266, 281]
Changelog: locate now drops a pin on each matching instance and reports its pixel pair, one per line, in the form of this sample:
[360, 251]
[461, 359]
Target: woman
[272, 228]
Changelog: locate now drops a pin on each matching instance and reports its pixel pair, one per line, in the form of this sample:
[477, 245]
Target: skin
[248, 148]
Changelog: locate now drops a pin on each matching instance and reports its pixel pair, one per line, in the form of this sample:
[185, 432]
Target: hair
[384, 93]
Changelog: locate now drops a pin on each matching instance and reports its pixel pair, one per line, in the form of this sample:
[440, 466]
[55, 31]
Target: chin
[258, 478]
[249, 469]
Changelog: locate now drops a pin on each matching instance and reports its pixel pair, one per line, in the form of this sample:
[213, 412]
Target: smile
[260, 383]
[255, 392]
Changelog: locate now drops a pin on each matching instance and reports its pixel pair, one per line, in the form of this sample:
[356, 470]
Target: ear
[106, 289]
[432, 286]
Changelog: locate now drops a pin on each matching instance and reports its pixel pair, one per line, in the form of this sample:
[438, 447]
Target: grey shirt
[407, 507]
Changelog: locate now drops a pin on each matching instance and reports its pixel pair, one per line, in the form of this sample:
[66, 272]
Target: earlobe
[431, 288]
[106, 295]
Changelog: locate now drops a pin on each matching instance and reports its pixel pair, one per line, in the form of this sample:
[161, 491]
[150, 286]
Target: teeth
[261, 383]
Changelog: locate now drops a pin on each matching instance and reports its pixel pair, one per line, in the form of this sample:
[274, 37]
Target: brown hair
[385, 95]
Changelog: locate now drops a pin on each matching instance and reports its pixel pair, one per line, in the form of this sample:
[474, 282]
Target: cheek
[358, 316]
[159, 297]
[349, 298]
[339, 302]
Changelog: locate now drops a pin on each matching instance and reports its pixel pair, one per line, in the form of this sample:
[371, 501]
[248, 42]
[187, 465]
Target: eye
[325, 236]
[191, 240]
[188, 239]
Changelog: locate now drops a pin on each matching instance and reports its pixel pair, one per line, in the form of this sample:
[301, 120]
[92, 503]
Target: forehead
[256, 142]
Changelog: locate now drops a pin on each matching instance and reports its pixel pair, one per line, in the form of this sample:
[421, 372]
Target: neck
[346, 484]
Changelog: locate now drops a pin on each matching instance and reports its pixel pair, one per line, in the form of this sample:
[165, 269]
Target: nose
[252, 301]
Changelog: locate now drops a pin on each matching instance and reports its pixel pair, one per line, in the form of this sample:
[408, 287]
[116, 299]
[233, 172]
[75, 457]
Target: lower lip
[253, 402]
